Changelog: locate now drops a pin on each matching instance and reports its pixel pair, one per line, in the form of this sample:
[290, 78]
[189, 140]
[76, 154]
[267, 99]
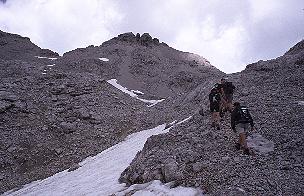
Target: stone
[197, 167]
[4, 106]
[145, 39]
[74, 167]
[68, 127]
[59, 151]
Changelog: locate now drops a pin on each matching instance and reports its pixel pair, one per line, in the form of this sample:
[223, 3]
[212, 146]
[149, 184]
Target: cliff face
[193, 154]
[55, 111]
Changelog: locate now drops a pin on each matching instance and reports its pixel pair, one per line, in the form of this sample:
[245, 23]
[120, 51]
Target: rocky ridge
[55, 111]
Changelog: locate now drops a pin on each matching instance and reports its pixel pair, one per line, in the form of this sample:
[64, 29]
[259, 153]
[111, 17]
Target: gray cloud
[230, 35]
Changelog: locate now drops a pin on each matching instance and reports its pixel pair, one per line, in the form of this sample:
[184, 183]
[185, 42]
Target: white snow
[99, 175]
[103, 59]
[156, 187]
[301, 102]
[43, 57]
[51, 65]
[260, 144]
[184, 120]
[132, 94]
[43, 73]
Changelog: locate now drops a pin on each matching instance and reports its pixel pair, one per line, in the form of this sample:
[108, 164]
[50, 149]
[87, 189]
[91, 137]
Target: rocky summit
[57, 110]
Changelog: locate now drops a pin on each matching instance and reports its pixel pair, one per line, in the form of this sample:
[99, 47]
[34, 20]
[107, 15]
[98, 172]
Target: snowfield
[99, 175]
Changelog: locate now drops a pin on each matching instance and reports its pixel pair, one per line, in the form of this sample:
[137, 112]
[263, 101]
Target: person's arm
[251, 121]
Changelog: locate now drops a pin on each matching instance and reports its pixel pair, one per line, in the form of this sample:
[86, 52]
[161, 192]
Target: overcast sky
[229, 33]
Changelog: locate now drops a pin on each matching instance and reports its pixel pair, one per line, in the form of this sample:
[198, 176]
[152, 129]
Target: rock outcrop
[145, 39]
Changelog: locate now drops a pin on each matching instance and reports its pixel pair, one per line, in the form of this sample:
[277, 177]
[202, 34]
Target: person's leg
[229, 102]
[223, 104]
[217, 116]
[217, 119]
[213, 119]
[212, 115]
[242, 140]
[240, 128]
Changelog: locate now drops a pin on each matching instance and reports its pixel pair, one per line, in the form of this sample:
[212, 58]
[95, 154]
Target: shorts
[229, 98]
[242, 127]
[214, 107]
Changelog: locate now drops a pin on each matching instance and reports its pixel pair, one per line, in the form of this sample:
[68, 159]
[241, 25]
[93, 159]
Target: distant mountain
[56, 111]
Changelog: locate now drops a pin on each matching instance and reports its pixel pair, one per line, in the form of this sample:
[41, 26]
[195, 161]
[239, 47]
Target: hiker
[215, 100]
[240, 122]
[227, 89]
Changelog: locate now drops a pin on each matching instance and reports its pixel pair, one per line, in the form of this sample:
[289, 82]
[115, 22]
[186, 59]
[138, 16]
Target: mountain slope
[196, 155]
[56, 111]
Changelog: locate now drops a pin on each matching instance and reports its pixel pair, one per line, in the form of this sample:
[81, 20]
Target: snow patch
[132, 94]
[157, 188]
[103, 59]
[99, 175]
[43, 57]
[260, 144]
[184, 120]
[51, 65]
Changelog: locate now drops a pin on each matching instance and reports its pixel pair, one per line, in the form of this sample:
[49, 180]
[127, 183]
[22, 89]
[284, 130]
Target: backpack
[228, 88]
[244, 115]
[215, 98]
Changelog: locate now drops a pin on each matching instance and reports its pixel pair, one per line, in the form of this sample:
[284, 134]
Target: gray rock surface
[52, 117]
[207, 158]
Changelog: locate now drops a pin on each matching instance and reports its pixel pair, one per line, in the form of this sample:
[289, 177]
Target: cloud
[60, 25]
[230, 35]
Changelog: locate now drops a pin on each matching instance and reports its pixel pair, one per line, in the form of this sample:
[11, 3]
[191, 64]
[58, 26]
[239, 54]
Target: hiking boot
[213, 124]
[238, 146]
[246, 151]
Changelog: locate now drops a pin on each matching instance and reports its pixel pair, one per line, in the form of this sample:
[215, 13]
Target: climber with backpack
[215, 101]
[240, 122]
[227, 90]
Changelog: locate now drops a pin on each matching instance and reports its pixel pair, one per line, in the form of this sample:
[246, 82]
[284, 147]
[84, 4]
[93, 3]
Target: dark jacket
[237, 118]
[214, 97]
[228, 88]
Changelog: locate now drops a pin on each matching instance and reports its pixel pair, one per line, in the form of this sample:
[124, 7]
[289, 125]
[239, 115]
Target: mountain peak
[145, 39]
